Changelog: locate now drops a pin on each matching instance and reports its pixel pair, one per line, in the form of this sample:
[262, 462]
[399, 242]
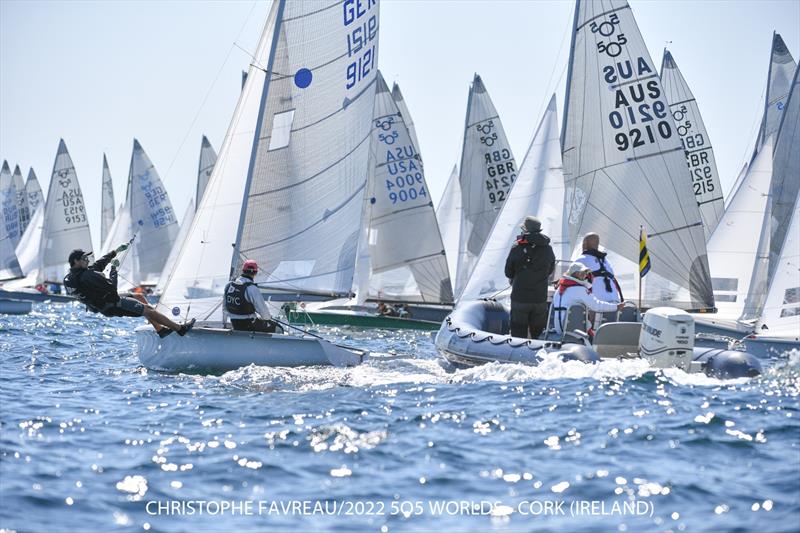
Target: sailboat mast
[257, 136]
[569, 73]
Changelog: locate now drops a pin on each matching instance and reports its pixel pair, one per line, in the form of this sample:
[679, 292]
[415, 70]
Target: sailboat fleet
[320, 179]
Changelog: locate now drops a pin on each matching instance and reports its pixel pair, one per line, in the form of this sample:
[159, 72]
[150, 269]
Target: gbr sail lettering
[694, 143]
[640, 112]
[500, 170]
[361, 20]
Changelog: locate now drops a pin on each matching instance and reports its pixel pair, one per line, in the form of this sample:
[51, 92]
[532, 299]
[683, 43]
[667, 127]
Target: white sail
[107, 202]
[65, 224]
[448, 215]
[487, 172]
[733, 247]
[186, 223]
[34, 192]
[538, 191]
[781, 314]
[786, 171]
[303, 197]
[406, 255]
[153, 220]
[9, 265]
[782, 67]
[736, 184]
[401, 105]
[28, 249]
[208, 157]
[120, 232]
[696, 143]
[22, 200]
[624, 165]
[195, 284]
[9, 205]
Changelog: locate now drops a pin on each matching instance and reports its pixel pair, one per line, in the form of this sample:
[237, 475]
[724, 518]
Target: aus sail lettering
[360, 17]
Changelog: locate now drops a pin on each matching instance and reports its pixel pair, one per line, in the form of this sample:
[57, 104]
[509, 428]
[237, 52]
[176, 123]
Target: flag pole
[640, 271]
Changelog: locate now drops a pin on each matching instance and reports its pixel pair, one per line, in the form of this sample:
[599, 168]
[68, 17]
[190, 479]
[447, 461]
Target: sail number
[362, 37]
[697, 157]
[72, 202]
[405, 181]
[500, 170]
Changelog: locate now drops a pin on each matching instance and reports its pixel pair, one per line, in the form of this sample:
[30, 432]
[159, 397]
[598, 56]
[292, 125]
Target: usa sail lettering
[72, 203]
[637, 104]
[405, 175]
[361, 18]
[696, 156]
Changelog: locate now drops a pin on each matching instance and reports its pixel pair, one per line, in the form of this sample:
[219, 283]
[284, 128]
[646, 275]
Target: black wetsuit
[99, 293]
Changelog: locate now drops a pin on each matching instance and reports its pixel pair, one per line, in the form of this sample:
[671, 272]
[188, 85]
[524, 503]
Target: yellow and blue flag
[644, 256]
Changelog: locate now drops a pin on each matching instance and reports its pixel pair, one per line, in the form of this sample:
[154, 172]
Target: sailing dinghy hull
[216, 350]
[32, 295]
[477, 333]
[14, 307]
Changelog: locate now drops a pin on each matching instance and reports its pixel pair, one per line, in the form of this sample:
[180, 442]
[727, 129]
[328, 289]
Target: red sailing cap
[250, 266]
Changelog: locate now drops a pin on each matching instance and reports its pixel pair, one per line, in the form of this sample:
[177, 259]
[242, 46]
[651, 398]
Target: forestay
[34, 192]
[409, 121]
[153, 220]
[208, 157]
[448, 215]
[539, 191]
[487, 172]
[195, 284]
[786, 172]
[65, 226]
[309, 166]
[733, 247]
[624, 165]
[696, 143]
[781, 314]
[782, 67]
[9, 206]
[22, 200]
[405, 252]
[107, 202]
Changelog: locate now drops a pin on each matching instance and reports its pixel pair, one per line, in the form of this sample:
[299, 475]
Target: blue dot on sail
[372, 200]
[141, 222]
[302, 78]
[176, 311]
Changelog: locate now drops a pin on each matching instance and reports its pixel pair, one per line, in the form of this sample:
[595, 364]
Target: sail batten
[624, 164]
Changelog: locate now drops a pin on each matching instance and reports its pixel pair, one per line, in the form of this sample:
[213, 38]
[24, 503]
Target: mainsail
[624, 164]
[34, 192]
[406, 257]
[781, 314]
[9, 266]
[448, 215]
[539, 191]
[9, 206]
[487, 170]
[696, 143]
[785, 172]
[207, 159]
[186, 223]
[22, 200]
[782, 67]
[401, 105]
[733, 247]
[303, 196]
[28, 249]
[107, 202]
[65, 226]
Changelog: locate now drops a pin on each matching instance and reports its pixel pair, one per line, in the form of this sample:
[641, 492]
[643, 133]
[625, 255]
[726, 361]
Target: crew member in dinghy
[604, 284]
[99, 293]
[244, 304]
[576, 287]
[529, 265]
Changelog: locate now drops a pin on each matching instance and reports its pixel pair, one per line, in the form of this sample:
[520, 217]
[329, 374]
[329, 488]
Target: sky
[99, 74]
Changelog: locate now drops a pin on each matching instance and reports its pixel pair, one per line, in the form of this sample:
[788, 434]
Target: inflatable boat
[477, 332]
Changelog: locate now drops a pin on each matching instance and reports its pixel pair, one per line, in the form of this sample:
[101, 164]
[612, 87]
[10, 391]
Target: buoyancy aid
[235, 301]
[608, 277]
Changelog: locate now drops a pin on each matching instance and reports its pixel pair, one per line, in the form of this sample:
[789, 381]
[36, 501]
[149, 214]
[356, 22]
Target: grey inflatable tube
[727, 364]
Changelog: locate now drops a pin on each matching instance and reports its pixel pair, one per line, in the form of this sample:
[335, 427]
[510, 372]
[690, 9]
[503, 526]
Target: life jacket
[235, 301]
[560, 311]
[608, 277]
[94, 300]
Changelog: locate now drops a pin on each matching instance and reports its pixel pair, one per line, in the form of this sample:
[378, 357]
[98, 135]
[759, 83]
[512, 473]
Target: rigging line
[208, 93]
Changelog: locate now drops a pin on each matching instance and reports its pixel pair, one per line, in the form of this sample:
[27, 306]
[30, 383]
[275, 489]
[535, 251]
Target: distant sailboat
[9, 265]
[9, 205]
[487, 171]
[34, 192]
[146, 217]
[448, 215]
[208, 157]
[22, 200]
[624, 164]
[107, 202]
[538, 190]
[696, 142]
[782, 67]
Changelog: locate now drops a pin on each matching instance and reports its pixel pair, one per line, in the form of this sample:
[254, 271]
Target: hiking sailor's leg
[154, 316]
[141, 298]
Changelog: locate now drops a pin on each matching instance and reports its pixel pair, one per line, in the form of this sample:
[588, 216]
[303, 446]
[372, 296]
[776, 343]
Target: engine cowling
[667, 338]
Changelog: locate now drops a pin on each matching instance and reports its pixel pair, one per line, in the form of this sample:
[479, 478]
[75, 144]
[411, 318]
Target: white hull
[207, 349]
[15, 307]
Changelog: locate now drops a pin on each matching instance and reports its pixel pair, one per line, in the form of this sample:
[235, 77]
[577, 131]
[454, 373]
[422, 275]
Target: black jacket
[91, 286]
[529, 266]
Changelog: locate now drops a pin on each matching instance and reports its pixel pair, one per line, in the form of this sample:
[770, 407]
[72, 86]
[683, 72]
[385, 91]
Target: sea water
[92, 441]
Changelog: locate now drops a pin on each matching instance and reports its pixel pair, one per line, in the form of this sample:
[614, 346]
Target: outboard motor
[667, 338]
